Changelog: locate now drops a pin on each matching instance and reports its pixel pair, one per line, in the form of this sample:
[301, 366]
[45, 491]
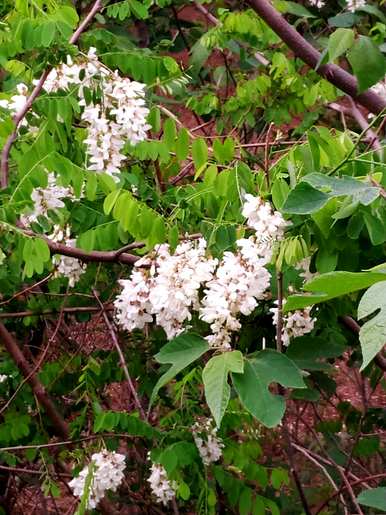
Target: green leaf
[253, 386]
[110, 201]
[293, 8]
[199, 152]
[316, 189]
[170, 133]
[47, 33]
[368, 63]
[182, 145]
[339, 42]
[331, 285]
[215, 377]
[373, 333]
[376, 228]
[374, 498]
[343, 20]
[180, 352]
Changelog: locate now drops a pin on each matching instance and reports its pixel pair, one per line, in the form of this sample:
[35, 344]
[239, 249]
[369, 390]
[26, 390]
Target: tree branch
[305, 51]
[353, 325]
[60, 425]
[113, 335]
[19, 116]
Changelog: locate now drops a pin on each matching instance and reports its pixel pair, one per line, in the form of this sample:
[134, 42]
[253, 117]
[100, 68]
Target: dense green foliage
[232, 112]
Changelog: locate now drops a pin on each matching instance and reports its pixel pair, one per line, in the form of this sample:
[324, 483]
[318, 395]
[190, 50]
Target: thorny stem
[19, 116]
[113, 335]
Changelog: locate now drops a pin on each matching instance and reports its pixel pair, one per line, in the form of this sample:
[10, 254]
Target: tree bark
[305, 51]
[60, 425]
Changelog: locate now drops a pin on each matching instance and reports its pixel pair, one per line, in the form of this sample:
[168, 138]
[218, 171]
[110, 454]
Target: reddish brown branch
[19, 116]
[307, 53]
[38, 389]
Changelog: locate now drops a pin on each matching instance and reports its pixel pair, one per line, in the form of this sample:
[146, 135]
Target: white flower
[66, 266]
[239, 282]
[17, 102]
[132, 306]
[353, 5]
[295, 324]
[169, 291]
[119, 118]
[3, 378]
[107, 474]
[160, 485]
[45, 199]
[209, 445]
[304, 265]
[269, 225]
[318, 3]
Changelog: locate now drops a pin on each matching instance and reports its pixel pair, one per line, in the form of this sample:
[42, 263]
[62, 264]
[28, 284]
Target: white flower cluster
[17, 102]
[304, 266]
[317, 3]
[66, 266]
[169, 290]
[353, 5]
[161, 487]
[3, 378]
[47, 198]
[296, 323]
[269, 225]
[120, 117]
[209, 445]
[240, 280]
[107, 474]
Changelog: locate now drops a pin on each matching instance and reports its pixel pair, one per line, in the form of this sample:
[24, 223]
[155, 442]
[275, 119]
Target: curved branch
[305, 51]
[19, 116]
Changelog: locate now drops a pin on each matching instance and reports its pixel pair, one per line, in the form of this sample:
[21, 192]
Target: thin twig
[113, 335]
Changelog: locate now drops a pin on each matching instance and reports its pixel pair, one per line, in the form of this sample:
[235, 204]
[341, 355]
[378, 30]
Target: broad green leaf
[215, 377]
[110, 201]
[374, 498]
[309, 352]
[179, 352]
[339, 42]
[316, 189]
[343, 20]
[252, 386]
[373, 333]
[293, 8]
[331, 285]
[199, 152]
[368, 63]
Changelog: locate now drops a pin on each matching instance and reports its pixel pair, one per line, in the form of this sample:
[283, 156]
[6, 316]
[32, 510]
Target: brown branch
[353, 325]
[113, 335]
[307, 53]
[19, 116]
[44, 312]
[60, 425]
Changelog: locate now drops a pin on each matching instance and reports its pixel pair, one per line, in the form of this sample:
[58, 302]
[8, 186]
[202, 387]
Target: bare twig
[113, 335]
[305, 51]
[45, 312]
[19, 116]
[279, 325]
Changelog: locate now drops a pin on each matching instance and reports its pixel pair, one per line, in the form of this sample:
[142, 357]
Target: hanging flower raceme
[209, 445]
[120, 116]
[107, 472]
[45, 199]
[268, 224]
[169, 290]
[354, 5]
[241, 279]
[162, 488]
[66, 266]
[295, 324]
